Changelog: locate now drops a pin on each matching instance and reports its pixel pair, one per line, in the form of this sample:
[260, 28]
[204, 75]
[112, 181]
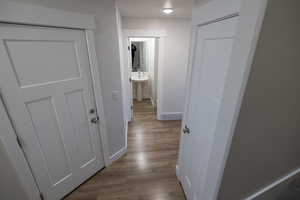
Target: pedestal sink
[140, 78]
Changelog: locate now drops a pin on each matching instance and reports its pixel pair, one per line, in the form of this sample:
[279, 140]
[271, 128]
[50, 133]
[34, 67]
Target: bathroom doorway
[143, 76]
[143, 52]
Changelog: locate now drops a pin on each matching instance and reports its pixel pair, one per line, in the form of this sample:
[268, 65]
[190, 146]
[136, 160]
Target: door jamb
[90, 39]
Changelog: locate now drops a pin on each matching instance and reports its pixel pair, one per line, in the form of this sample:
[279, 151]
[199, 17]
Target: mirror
[138, 51]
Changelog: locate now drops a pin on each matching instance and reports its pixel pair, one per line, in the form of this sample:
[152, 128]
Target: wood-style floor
[147, 171]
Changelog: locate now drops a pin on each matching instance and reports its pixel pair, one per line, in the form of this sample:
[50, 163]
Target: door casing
[158, 35]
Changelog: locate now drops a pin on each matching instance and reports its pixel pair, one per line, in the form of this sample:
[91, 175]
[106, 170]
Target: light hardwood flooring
[147, 171]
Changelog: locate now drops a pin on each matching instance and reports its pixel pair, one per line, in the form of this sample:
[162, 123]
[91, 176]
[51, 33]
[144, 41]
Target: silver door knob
[186, 130]
[92, 111]
[95, 120]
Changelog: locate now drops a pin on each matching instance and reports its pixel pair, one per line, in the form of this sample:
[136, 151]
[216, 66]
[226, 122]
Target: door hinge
[42, 196]
[130, 80]
[20, 143]
[128, 48]
[131, 107]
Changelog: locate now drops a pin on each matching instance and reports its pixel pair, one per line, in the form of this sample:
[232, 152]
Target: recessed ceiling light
[168, 10]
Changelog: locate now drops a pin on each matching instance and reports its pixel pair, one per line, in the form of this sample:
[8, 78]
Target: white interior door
[212, 53]
[46, 85]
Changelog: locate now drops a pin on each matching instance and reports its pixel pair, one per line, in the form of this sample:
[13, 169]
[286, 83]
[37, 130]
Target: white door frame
[251, 18]
[158, 34]
[19, 13]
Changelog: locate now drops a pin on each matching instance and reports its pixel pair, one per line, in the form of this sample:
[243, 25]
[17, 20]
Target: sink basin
[139, 78]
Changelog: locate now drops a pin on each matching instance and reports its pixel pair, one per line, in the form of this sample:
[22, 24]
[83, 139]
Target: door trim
[98, 94]
[160, 36]
[251, 18]
[203, 13]
[219, 19]
[19, 13]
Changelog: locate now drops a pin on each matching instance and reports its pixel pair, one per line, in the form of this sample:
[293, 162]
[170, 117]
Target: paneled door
[211, 59]
[46, 85]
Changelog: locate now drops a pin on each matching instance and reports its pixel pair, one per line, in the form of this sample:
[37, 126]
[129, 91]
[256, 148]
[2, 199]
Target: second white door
[46, 84]
[211, 59]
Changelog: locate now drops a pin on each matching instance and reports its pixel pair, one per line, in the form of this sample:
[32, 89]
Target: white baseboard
[122, 151]
[177, 170]
[126, 133]
[118, 155]
[274, 184]
[153, 102]
[170, 116]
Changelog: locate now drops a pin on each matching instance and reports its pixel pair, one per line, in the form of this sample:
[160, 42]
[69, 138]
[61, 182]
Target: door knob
[92, 111]
[95, 120]
[186, 130]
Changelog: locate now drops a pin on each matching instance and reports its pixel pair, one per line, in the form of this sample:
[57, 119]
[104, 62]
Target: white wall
[201, 2]
[107, 46]
[123, 78]
[176, 57]
[265, 145]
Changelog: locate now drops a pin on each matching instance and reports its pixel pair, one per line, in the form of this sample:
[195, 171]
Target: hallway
[147, 171]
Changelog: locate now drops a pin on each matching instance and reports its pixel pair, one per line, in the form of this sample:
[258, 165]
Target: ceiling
[153, 8]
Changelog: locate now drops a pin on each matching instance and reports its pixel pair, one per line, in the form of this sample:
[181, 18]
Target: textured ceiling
[153, 8]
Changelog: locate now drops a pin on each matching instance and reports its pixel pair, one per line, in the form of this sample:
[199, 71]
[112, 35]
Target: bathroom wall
[107, 47]
[176, 58]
